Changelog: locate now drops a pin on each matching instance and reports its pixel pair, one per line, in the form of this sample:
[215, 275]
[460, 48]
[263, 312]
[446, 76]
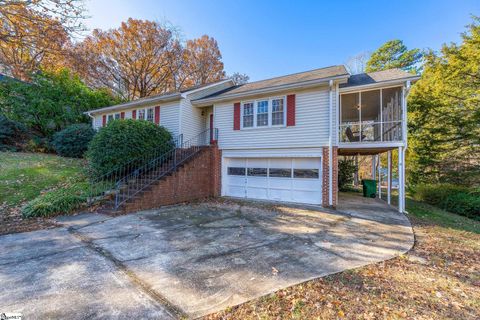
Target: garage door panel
[236, 191]
[280, 183]
[306, 196]
[306, 184]
[257, 193]
[280, 194]
[258, 182]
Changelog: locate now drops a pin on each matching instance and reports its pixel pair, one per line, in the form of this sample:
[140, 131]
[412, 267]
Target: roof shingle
[376, 77]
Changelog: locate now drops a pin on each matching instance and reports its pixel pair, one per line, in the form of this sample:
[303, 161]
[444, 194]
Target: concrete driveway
[189, 260]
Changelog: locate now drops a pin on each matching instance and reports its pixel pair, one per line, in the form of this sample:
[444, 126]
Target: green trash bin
[369, 188]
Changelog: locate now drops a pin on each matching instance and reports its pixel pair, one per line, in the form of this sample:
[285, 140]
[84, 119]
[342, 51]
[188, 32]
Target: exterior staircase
[117, 190]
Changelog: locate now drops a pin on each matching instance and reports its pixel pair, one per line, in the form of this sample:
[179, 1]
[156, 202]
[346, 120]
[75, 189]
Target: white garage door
[281, 179]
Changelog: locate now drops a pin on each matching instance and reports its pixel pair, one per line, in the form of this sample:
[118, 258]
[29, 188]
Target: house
[279, 139]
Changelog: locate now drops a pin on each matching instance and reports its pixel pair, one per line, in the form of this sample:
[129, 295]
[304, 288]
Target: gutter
[139, 102]
[271, 89]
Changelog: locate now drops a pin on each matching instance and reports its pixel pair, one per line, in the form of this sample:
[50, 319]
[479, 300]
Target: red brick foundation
[197, 179]
[325, 176]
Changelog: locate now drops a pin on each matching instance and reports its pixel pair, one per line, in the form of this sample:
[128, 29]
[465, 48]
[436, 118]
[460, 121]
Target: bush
[59, 201]
[11, 134]
[123, 141]
[346, 169]
[453, 198]
[73, 140]
[38, 144]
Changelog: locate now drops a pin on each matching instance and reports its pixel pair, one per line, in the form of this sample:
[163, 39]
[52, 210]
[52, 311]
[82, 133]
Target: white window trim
[270, 108]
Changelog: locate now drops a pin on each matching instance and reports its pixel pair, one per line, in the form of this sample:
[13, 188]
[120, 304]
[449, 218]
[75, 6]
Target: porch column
[356, 171]
[389, 176]
[374, 169]
[401, 180]
[379, 176]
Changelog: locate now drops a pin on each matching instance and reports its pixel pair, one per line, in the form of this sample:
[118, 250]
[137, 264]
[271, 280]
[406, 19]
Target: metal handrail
[130, 180]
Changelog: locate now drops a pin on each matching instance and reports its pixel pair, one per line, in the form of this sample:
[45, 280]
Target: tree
[203, 61]
[394, 54]
[50, 102]
[239, 78]
[132, 61]
[445, 114]
[35, 33]
[358, 63]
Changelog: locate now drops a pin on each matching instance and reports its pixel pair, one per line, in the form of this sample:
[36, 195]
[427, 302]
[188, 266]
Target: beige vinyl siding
[311, 129]
[192, 120]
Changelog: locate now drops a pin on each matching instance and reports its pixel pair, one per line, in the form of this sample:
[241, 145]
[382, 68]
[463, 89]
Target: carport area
[189, 260]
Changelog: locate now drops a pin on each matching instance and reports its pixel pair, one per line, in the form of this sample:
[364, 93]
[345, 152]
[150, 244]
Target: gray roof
[312, 75]
[163, 97]
[377, 77]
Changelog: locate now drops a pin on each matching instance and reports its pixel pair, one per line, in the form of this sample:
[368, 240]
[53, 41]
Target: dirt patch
[11, 221]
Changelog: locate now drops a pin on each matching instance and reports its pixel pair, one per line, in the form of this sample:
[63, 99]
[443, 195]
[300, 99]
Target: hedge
[453, 198]
[123, 141]
[73, 140]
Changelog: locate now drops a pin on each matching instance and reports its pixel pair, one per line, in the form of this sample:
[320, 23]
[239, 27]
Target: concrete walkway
[188, 261]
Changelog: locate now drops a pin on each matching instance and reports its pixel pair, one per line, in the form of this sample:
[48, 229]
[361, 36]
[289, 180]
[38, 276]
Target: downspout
[330, 146]
[93, 119]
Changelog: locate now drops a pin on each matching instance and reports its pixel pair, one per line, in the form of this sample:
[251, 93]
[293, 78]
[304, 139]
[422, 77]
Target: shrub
[73, 140]
[59, 201]
[123, 141]
[453, 198]
[11, 134]
[346, 169]
[38, 144]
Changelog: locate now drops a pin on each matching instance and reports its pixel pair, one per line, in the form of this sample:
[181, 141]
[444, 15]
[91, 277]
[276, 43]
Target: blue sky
[270, 38]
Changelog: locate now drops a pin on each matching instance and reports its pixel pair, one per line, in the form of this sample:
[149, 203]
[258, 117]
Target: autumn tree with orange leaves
[36, 33]
[142, 58]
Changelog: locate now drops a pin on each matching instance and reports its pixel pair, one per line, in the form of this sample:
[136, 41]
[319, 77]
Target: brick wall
[325, 176]
[197, 179]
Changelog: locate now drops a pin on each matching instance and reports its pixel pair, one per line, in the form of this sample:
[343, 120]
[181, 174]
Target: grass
[24, 175]
[438, 279]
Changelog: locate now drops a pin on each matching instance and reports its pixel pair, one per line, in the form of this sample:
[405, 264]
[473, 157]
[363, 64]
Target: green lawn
[24, 175]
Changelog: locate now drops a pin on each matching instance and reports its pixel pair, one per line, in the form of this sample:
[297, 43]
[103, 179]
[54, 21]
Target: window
[236, 171]
[248, 115]
[257, 172]
[117, 116]
[110, 117]
[277, 112]
[280, 173]
[262, 113]
[305, 173]
[141, 114]
[150, 114]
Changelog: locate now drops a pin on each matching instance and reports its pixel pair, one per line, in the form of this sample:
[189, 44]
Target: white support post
[401, 185]
[374, 168]
[389, 176]
[379, 176]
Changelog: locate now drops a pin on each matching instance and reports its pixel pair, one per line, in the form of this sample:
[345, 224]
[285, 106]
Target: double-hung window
[263, 113]
[248, 115]
[278, 112]
[150, 114]
[141, 114]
